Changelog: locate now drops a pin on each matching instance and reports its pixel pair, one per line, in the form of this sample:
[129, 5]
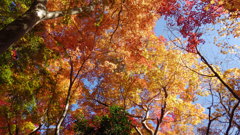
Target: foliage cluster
[97, 67]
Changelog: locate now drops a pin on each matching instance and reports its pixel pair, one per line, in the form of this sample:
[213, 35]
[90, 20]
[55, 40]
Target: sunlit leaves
[25, 76]
[143, 80]
[111, 56]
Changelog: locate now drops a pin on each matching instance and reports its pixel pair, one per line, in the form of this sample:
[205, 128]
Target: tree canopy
[98, 67]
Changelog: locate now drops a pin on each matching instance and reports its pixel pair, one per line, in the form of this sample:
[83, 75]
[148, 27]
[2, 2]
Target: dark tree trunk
[36, 13]
[15, 30]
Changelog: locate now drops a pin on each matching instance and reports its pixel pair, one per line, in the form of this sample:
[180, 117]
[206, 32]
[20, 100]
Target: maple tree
[194, 31]
[151, 94]
[82, 57]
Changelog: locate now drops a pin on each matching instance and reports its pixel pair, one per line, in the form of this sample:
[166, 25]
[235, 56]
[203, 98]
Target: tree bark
[23, 24]
[72, 79]
[36, 14]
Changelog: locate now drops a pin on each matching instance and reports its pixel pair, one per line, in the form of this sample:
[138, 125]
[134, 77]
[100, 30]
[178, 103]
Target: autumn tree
[81, 57]
[25, 83]
[156, 87]
[190, 24]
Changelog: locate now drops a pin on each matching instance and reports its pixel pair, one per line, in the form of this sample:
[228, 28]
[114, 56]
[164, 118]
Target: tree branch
[118, 21]
[74, 11]
[144, 123]
[35, 130]
[231, 117]
[163, 109]
[198, 72]
[218, 76]
[138, 131]
[72, 80]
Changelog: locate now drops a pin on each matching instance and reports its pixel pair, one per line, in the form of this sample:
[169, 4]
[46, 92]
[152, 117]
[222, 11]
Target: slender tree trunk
[64, 114]
[72, 79]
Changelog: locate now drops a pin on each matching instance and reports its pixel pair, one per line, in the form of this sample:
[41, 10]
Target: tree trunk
[36, 13]
[15, 30]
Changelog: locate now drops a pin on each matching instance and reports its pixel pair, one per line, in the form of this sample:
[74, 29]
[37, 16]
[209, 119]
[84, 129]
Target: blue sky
[209, 50]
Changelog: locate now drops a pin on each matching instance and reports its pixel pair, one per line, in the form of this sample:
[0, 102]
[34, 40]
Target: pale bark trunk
[72, 80]
[67, 104]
